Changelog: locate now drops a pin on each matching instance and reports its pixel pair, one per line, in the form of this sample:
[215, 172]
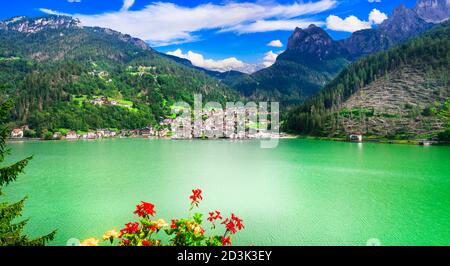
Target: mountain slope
[401, 92]
[49, 63]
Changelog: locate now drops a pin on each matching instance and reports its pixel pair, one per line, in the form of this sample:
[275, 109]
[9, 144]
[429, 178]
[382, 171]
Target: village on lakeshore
[212, 125]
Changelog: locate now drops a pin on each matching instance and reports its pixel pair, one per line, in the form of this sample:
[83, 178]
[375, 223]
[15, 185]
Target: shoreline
[418, 142]
[285, 136]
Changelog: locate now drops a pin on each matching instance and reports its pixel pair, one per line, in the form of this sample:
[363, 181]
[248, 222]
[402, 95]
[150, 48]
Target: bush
[428, 111]
[48, 136]
[30, 133]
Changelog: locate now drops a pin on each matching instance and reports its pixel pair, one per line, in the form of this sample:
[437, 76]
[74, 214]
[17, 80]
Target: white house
[355, 137]
[72, 135]
[17, 133]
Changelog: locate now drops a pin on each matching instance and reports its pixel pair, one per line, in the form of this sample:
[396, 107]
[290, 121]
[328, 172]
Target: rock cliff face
[313, 43]
[434, 11]
[403, 24]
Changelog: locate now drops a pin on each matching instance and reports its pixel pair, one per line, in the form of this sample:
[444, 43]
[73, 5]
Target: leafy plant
[188, 231]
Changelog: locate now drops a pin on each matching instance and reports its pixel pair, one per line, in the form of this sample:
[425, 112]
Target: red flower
[218, 215]
[173, 225]
[145, 208]
[130, 228]
[196, 196]
[214, 216]
[153, 228]
[226, 241]
[231, 227]
[225, 221]
[237, 221]
[145, 243]
[211, 217]
[125, 242]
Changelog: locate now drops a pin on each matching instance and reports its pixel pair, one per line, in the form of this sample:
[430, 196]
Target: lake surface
[301, 193]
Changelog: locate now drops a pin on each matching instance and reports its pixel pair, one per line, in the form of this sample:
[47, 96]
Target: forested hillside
[403, 92]
[56, 70]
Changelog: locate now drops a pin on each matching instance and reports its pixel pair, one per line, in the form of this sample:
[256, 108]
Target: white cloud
[126, 5]
[74, 1]
[227, 64]
[349, 24]
[272, 25]
[377, 17]
[231, 63]
[275, 43]
[352, 23]
[374, 1]
[51, 12]
[269, 58]
[167, 23]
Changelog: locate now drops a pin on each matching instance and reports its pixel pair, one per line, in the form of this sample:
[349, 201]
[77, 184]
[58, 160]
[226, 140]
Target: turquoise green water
[301, 193]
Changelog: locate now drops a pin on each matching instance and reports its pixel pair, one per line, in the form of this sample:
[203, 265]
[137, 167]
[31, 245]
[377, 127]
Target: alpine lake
[303, 192]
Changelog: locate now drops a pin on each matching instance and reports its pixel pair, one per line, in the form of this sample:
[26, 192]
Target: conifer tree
[11, 227]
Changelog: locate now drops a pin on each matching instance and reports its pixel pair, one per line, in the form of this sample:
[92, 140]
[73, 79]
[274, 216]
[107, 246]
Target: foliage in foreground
[182, 232]
[11, 232]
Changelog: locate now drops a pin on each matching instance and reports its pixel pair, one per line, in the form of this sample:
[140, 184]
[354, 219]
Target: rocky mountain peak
[311, 36]
[33, 25]
[312, 43]
[401, 16]
[403, 24]
[434, 11]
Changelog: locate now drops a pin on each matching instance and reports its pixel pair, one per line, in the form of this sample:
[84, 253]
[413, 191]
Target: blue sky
[221, 35]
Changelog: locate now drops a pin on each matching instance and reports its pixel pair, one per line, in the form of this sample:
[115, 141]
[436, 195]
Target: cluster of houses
[212, 124]
[149, 131]
[146, 132]
[98, 134]
[220, 124]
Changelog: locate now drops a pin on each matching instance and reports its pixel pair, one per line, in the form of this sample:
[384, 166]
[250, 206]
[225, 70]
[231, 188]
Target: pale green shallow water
[301, 193]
